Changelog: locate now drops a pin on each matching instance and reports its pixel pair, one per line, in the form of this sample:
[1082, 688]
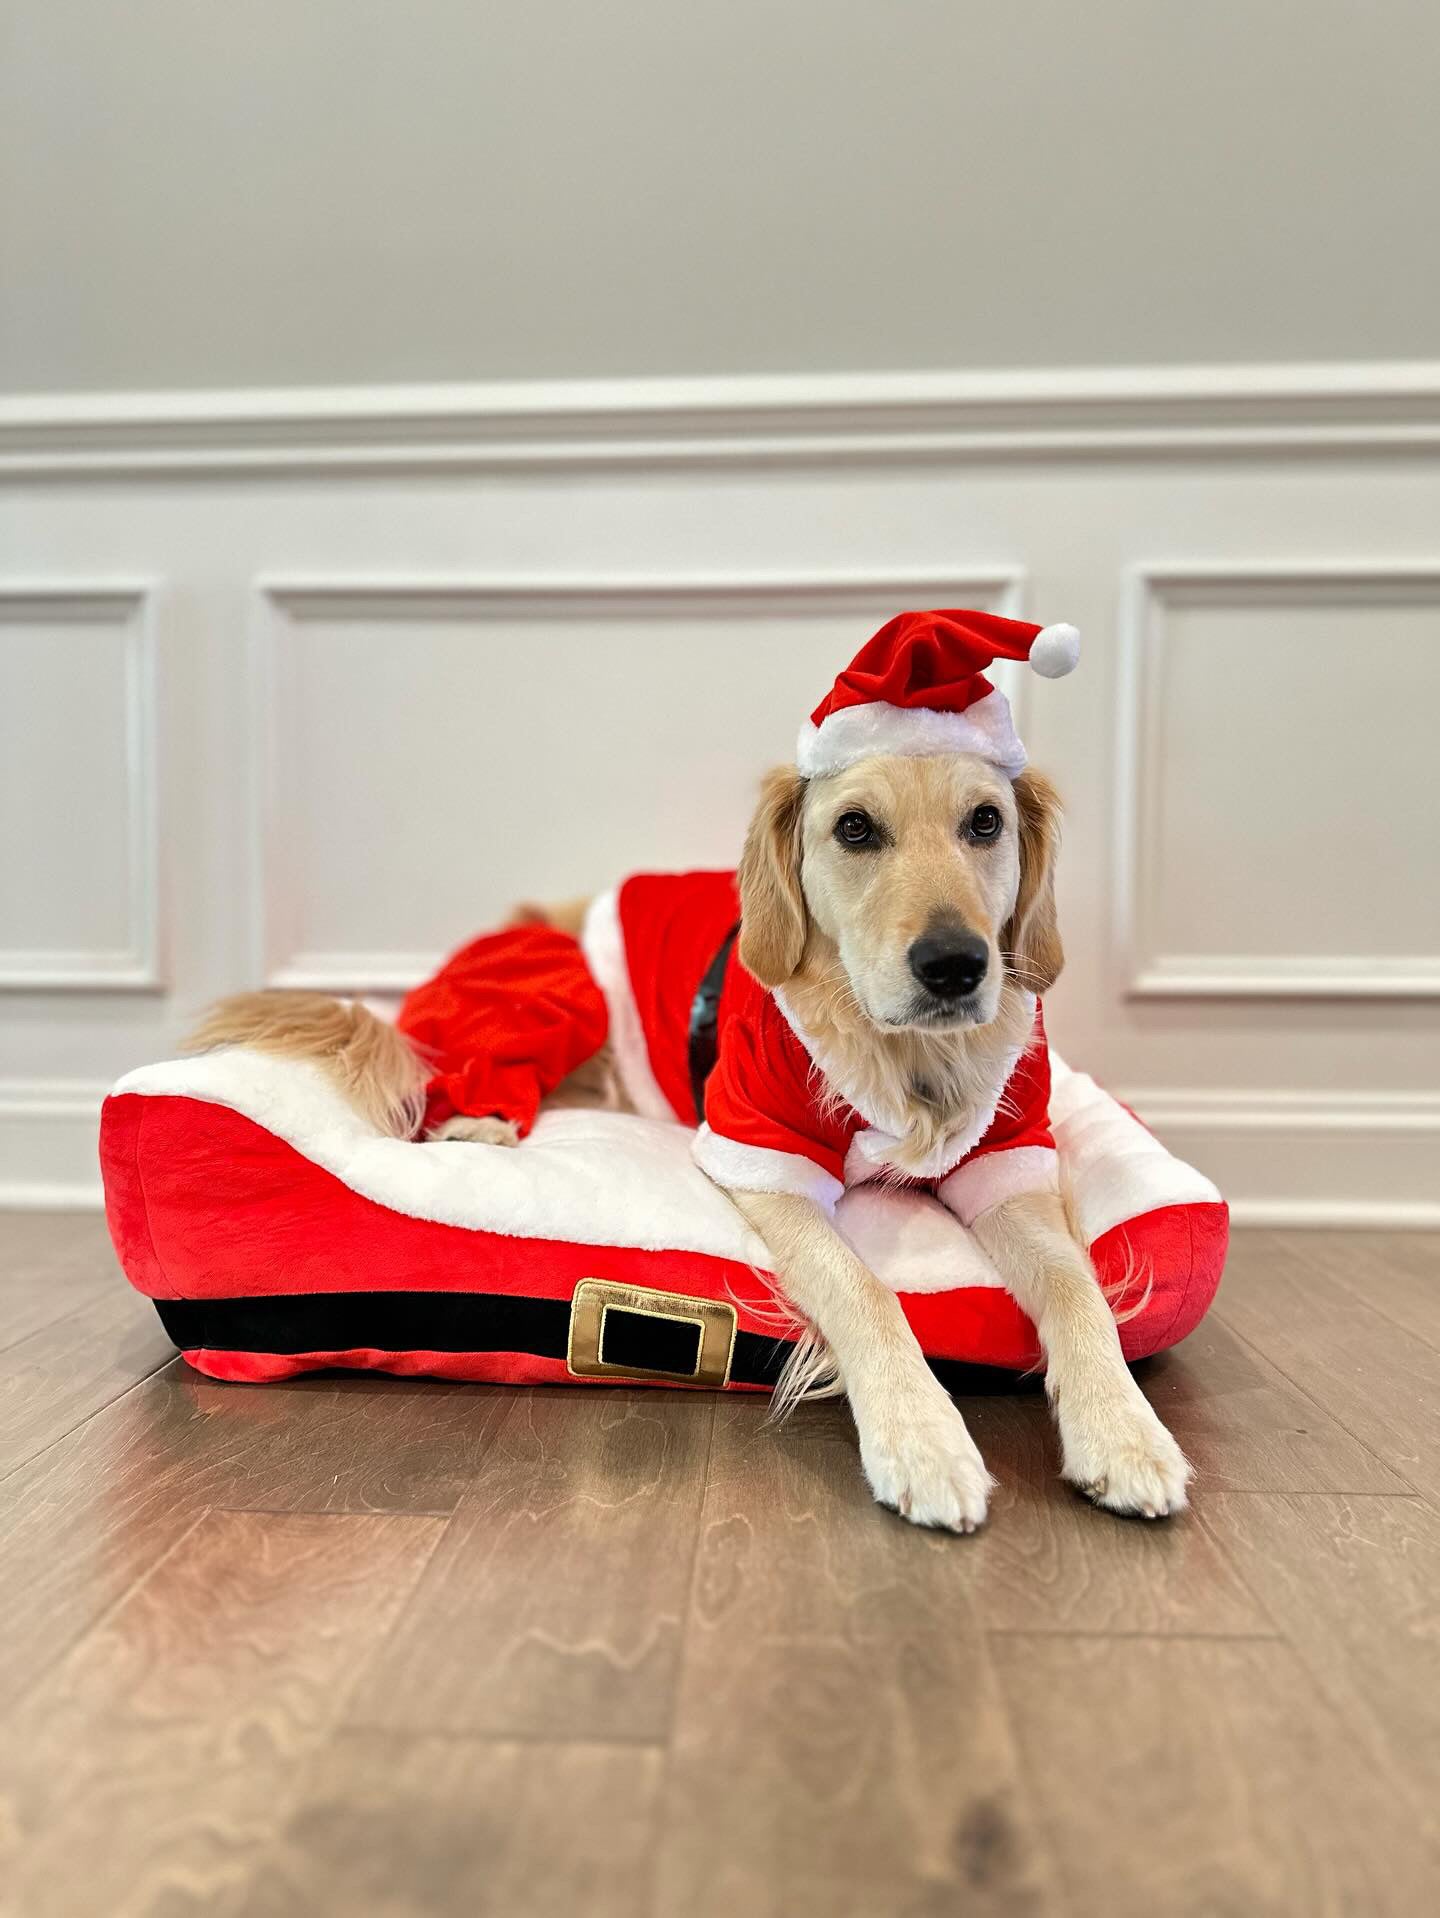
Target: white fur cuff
[979, 1184]
[757, 1168]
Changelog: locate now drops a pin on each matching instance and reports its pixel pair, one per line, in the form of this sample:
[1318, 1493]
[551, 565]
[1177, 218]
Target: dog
[897, 913]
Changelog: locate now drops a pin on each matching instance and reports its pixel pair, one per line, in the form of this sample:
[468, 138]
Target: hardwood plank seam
[447, 1734]
[364, 1511]
[1406, 1331]
[692, 1580]
[49, 1325]
[1032, 1802]
[96, 1411]
[1324, 1259]
[522, 1395]
[1275, 1637]
[1414, 1491]
[98, 1622]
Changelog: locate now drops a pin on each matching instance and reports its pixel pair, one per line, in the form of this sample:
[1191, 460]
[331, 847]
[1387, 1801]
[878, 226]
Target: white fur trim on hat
[1055, 651]
[912, 732]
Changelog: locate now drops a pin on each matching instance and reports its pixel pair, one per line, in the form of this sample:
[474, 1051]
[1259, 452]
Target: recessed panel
[1287, 803]
[74, 891]
[437, 764]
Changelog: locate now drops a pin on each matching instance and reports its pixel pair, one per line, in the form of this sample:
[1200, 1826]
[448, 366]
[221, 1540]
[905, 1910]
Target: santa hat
[919, 688]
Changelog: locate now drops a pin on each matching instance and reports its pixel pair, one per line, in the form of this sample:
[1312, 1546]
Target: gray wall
[217, 192]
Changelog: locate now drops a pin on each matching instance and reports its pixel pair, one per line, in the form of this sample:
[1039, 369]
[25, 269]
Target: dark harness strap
[705, 1022]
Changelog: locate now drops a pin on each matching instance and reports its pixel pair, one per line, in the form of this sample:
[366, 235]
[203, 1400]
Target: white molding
[129, 605]
[1060, 412]
[281, 600]
[1338, 1215]
[68, 1111]
[1149, 591]
[1239, 1110]
[1279, 1157]
[354, 974]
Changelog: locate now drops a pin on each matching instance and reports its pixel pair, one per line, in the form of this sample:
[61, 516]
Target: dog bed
[278, 1233]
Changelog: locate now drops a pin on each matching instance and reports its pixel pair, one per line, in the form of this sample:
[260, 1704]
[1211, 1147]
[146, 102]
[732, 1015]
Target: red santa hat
[919, 688]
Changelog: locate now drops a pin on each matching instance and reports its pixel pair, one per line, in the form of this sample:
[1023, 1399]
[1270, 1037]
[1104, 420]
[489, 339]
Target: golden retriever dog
[843, 879]
[838, 934]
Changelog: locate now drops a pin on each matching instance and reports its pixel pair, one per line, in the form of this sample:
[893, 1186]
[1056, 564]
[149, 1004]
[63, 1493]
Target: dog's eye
[855, 829]
[985, 822]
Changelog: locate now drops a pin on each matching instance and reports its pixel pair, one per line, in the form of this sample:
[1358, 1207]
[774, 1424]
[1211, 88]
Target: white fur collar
[874, 1150]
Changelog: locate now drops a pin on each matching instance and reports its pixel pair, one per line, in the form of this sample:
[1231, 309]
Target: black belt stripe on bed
[426, 1322]
[456, 1322]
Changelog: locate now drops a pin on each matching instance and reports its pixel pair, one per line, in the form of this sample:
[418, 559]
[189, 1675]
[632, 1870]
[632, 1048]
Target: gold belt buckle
[603, 1312]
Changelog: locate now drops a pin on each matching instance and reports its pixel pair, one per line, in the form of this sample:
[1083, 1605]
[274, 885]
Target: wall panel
[414, 655]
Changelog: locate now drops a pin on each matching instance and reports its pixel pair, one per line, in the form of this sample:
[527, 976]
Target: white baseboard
[48, 1134]
[1280, 1157]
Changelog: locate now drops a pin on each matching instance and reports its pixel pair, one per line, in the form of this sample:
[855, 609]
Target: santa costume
[696, 1037]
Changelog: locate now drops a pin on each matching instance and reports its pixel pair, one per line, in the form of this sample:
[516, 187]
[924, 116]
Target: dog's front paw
[921, 1461]
[479, 1131]
[1119, 1454]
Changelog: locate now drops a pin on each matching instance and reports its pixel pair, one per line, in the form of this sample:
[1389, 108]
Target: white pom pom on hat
[1055, 651]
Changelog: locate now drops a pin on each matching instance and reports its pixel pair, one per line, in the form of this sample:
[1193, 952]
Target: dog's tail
[369, 1062]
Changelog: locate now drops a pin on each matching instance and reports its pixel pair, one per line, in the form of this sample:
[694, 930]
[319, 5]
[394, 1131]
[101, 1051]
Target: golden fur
[368, 1061]
[832, 928]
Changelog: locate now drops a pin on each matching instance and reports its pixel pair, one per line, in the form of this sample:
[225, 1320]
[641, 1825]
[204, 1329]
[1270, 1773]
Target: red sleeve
[503, 1022]
[765, 1130]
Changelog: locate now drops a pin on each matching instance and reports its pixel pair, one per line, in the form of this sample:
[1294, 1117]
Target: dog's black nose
[949, 964]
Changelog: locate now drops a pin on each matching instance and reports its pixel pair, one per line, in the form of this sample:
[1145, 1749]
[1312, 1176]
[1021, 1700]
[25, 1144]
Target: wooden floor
[374, 1647]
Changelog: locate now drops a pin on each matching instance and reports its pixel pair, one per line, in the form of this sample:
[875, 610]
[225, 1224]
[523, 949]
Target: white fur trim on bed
[996, 1176]
[602, 940]
[1114, 1169]
[758, 1168]
[607, 1178]
[861, 732]
[599, 1178]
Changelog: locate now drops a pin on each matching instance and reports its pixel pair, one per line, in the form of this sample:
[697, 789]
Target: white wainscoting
[305, 688]
[79, 852]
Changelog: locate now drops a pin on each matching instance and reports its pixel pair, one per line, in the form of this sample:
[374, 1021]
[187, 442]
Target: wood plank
[386, 1822]
[166, 1747]
[1395, 1273]
[52, 1265]
[1050, 1561]
[57, 1377]
[1373, 1377]
[1354, 1584]
[46, 1242]
[1247, 1428]
[554, 1608]
[1202, 1776]
[840, 1745]
[86, 1519]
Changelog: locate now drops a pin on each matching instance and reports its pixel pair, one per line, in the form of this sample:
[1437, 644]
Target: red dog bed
[278, 1233]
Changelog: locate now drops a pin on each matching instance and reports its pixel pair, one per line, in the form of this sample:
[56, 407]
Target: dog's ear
[1032, 938]
[772, 905]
